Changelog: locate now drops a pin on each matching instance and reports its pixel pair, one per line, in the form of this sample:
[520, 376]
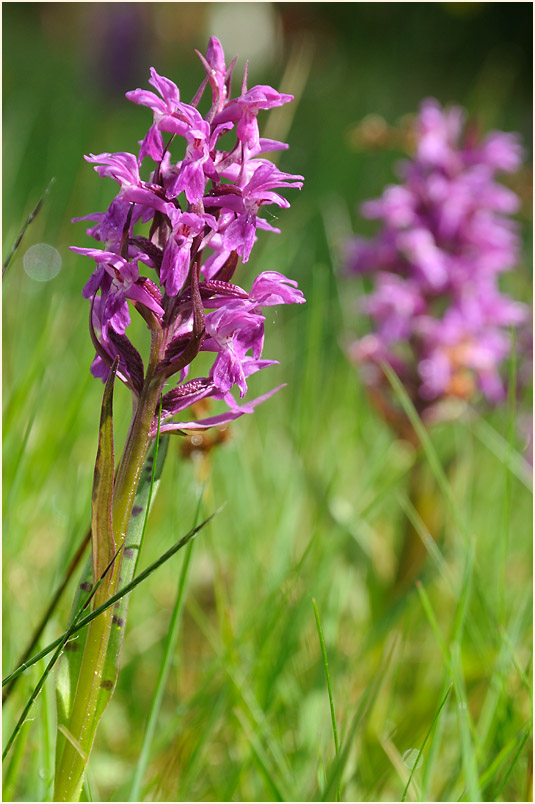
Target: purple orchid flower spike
[170, 247]
[436, 310]
[172, 243]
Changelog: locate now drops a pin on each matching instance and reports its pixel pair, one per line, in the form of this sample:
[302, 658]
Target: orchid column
[170, 247]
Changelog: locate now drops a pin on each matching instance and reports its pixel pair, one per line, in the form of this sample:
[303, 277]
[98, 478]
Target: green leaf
[102, 541]
[148, 485]
[102, 552]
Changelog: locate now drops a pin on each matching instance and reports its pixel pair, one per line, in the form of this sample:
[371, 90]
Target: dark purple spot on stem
[106, 684]
[85, 586]
[137, 510]
[119, 622]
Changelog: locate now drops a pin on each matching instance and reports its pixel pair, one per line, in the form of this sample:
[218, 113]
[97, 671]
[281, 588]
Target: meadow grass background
[317, 489]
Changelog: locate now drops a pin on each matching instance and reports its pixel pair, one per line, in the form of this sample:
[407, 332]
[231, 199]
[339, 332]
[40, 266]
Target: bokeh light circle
[42, 262]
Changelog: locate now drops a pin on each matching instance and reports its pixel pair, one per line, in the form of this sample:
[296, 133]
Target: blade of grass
[27, 222]
[165, 666]
[466, 727]
[248, 697]
[427, 445]
[501, 448]
[490, 712]
[464, 597]
[505, 779]
[114, 598]
[263, 761]
[429, 543]
[431, 617]
[398, 762]
[192, 769]
[71, 660]
[517, 742]
[48, 613]
[364, 708]
[329, 688]
[13, 776]
[143, 496]
[434, 748]
[426, 738]
[503, 544]
[468, 750]
[526, 681]
[62, 642]
[47, 744]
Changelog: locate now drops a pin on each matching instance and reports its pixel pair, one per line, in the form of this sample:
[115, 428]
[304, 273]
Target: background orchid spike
[437, 313]
[185, 228]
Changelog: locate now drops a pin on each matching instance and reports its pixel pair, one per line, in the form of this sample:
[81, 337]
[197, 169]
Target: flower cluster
[438, 316]
[172, 242]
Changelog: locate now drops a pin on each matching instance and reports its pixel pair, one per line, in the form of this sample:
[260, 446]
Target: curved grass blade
[329, 688]
[125, 590]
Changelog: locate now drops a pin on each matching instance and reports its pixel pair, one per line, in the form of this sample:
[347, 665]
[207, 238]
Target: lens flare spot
[42, 262]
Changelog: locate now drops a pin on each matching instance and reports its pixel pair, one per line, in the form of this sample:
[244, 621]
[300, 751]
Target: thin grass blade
[364, 708]
[427, 445]
[426, 738]
[113, 599]
[50, 609]
[329, 688]
[60, 646]
[27, 222]
[169, 649]
[516, 756]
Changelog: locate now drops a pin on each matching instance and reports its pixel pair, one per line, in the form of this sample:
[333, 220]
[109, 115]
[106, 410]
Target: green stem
[86, 712]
